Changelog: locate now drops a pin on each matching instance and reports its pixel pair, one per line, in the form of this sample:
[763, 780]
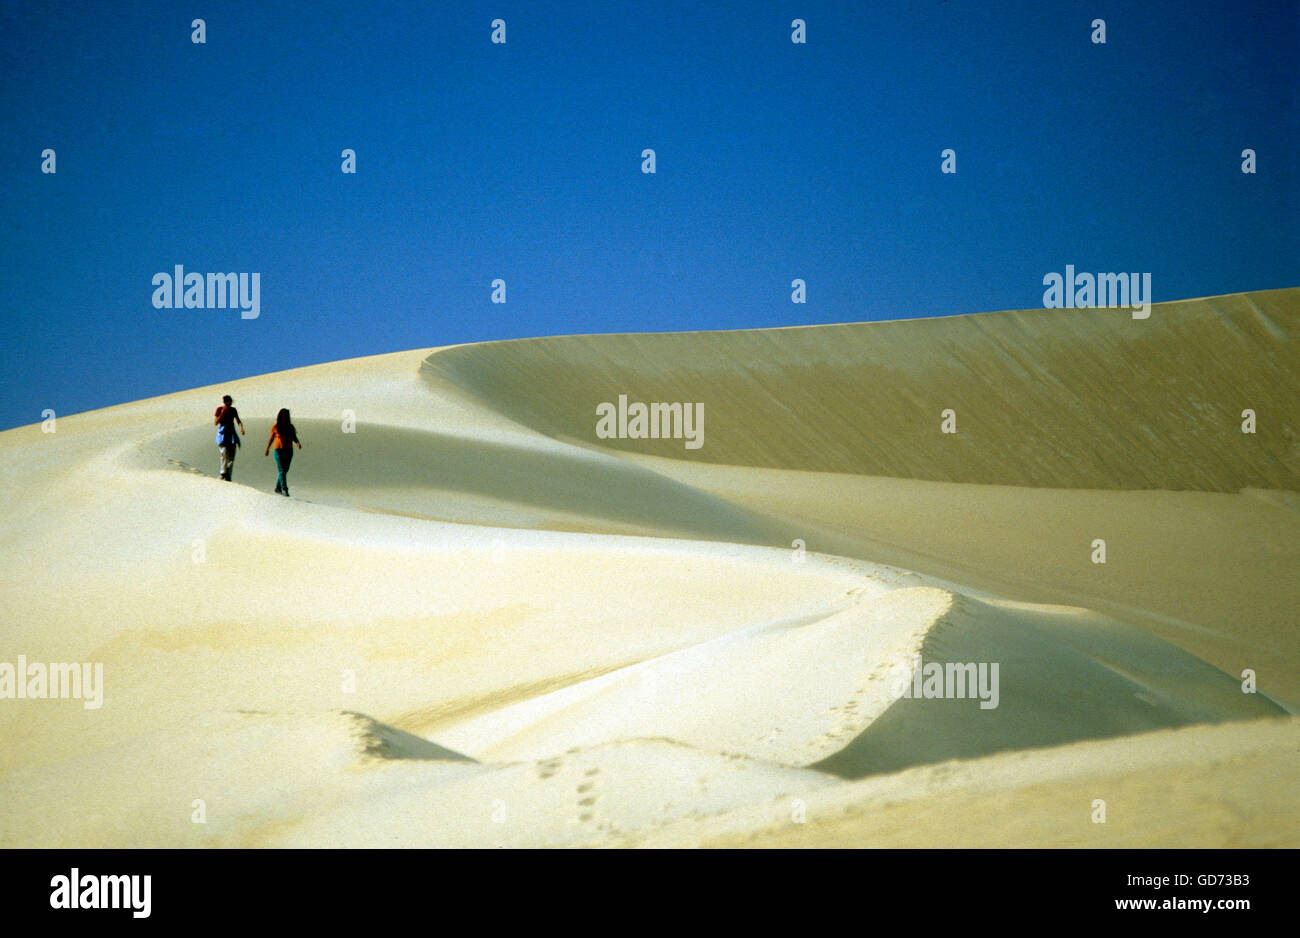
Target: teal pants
[282, 459]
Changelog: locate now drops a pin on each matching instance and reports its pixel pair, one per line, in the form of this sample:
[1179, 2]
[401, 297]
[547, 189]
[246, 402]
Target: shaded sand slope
[1203, 786]
[1064, 675]
[462, 478]
[1055, 398]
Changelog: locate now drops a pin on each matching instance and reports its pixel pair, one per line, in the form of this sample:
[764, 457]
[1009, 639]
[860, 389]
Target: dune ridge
[1055, 398]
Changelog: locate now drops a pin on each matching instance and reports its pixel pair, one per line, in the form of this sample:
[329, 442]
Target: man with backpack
[225, 419]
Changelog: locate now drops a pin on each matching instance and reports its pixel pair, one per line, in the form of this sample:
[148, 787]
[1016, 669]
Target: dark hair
[227, 399]
[282, 421]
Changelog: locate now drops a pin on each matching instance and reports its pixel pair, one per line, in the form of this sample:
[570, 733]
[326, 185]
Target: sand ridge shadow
[1064, 676]
[440, 476]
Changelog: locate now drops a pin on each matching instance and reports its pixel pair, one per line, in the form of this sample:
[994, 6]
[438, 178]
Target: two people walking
[284, 436]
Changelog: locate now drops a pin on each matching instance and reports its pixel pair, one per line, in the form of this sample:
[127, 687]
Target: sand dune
[476, 623]
[1046, 397]
[1067, 676]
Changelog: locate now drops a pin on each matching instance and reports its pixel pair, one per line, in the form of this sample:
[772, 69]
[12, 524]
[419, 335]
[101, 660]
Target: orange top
[279, 442]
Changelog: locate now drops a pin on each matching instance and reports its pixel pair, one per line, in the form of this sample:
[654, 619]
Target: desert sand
[476, 623]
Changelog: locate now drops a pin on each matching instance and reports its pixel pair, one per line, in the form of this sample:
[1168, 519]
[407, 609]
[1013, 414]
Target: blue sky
[522, 161]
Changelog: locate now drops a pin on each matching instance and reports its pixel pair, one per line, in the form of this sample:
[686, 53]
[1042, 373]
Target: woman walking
[283, 438]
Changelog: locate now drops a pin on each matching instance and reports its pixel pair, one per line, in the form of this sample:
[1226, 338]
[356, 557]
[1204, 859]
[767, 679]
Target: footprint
[184, 465]
[586, 798]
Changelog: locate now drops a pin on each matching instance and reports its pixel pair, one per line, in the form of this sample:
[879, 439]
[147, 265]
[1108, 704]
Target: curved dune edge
[595, 645]
[1063, 675]
[732, 694]
[1055, 398]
